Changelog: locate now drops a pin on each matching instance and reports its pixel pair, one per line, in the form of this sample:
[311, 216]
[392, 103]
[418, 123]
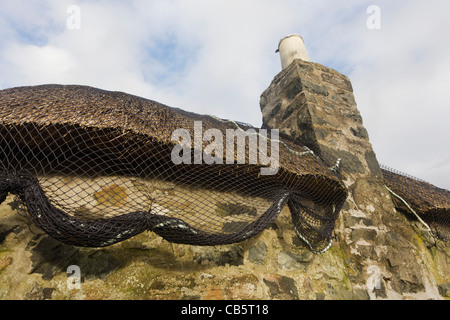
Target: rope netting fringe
[429, 204]
[93, 168]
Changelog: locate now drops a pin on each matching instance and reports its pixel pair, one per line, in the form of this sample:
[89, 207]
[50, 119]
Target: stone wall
[377, 253]
[273, 265]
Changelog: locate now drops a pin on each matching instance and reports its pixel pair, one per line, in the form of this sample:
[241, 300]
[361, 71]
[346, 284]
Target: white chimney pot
[292, 47]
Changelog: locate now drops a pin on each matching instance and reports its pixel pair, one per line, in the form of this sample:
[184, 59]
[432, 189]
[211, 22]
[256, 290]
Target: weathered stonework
[315, 104]
[378, 253]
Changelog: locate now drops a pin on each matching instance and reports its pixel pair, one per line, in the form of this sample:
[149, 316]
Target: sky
[217, 57]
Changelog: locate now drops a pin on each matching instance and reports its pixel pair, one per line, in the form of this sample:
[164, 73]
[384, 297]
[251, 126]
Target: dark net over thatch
[428, 202]
[93, 167]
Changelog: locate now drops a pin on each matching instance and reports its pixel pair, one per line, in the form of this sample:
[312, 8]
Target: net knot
[15, 184]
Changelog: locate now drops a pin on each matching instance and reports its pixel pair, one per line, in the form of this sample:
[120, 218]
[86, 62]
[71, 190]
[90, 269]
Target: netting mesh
[92, 168]
[430, 204]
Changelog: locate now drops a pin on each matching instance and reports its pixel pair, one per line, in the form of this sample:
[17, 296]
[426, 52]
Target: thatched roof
[430, 203]
[79, 128]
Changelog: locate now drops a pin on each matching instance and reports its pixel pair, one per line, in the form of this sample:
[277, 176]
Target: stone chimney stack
[315, 105]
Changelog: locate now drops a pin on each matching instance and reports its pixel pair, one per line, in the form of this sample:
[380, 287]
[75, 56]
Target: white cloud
[217, 57]
[31, 61]
[400, 78]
